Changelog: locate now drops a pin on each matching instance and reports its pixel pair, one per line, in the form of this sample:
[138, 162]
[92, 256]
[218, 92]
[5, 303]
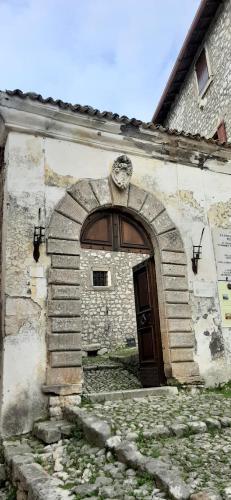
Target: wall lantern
[39, 237]
[197, 252]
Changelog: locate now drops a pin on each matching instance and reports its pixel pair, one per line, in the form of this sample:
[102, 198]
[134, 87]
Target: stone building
[92, 201]
[197, 97]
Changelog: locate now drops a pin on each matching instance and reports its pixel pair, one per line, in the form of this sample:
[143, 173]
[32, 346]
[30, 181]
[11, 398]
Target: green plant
[12, 494]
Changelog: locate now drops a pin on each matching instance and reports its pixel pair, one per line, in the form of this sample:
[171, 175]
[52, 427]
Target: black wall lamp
[197, 252]
[39, 237]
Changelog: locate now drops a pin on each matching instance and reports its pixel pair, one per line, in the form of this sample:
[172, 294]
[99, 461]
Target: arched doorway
[64, 325]
[113, 230]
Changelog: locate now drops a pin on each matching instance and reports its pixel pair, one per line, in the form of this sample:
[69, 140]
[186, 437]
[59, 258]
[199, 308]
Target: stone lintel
[65, 359]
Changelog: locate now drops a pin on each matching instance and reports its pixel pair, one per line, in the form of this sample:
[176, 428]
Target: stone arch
[64, 375]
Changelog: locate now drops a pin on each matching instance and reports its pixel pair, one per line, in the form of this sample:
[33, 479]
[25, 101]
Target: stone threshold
[101, 367]
[100, 397]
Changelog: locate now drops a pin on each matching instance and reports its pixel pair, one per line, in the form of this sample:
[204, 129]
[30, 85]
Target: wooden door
[148, 327]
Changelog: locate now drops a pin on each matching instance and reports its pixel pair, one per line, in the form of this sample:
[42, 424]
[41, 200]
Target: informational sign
[224, 289]
[222, 248]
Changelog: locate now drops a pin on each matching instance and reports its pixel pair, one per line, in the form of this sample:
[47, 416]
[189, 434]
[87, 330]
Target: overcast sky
[114, 55]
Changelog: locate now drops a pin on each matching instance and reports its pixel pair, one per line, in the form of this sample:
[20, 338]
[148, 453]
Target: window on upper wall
[202, 71]
[220, 134]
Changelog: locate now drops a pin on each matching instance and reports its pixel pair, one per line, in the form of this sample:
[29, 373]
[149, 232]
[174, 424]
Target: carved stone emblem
[122, 171]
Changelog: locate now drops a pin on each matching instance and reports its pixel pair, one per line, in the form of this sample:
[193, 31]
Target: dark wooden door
[148, 327]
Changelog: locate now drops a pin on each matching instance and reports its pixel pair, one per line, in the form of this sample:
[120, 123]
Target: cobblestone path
[114, 379]
[201, 446]
[86, 471]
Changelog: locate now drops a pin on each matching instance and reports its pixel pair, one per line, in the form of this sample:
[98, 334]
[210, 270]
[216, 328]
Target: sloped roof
[201, 23]
[93, 112]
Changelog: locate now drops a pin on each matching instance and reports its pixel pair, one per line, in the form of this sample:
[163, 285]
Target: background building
[197, 97]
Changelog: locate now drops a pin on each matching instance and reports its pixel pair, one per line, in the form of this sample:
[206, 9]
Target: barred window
[100, 278]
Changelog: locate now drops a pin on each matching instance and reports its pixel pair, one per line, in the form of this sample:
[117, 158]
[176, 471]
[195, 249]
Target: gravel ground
[86, 471]
[114, 379]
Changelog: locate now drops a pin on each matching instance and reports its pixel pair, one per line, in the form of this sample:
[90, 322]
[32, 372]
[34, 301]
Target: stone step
[51, 431]
[102, 367]
[100, 397]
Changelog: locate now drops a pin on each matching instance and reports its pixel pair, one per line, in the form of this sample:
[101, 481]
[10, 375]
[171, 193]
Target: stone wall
[202, 115]
[108, 316]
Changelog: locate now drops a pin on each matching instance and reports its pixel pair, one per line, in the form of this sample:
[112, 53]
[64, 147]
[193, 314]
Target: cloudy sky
[110, 54]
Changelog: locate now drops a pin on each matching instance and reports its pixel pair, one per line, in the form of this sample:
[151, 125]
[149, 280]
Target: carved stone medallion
[122, 171]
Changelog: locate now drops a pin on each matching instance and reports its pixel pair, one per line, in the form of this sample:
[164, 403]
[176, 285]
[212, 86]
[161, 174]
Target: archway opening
[119, 295]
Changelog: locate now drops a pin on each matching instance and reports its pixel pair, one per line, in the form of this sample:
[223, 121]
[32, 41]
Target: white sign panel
[222, 248]
[204, 289]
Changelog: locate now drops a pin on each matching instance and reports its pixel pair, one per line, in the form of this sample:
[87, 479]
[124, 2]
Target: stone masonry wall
[108, 316]
[203, 115]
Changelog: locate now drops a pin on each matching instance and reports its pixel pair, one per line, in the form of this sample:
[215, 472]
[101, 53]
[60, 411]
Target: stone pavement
[192, 432]
[111, 379]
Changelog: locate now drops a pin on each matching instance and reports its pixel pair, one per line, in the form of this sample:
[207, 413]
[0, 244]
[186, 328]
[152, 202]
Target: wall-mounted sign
[224, 289]
[204, 289]
[222, 249]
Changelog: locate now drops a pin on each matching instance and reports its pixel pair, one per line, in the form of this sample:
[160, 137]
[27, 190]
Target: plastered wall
[38, 172]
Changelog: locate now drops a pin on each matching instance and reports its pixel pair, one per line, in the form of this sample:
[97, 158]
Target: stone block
[65, 359]
[65, 261]
[65, 376]
[171, 241]
[173, 257]
[84, 195]
[47, 432]
[65, 292]
[151, 208]
[28, 473]
[64, 308]
[61, 389]
[64, 341]
[11, 451]
[70, 208]
[181, 339]
[162, 223]
[136, 197]
[64, 228]
[182, 354]
[102, 191]
[174, 270]
[178, 311]
[197, 427]
[66, 325]
[185, 372]
[179, 325]
[63, 247]
[175, 283]
[64, 276]
[177, 297]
